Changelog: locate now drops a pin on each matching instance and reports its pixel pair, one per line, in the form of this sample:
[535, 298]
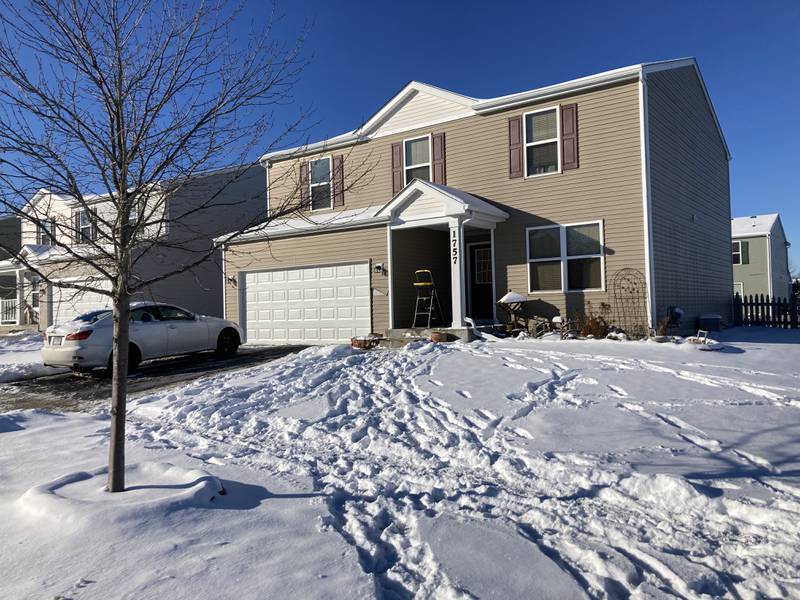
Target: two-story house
[760, 256]
[178, 229]
[550, 193]
[10, 242]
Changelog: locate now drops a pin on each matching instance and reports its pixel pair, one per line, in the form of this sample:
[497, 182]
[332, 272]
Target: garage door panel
[69, 303]
[308, 304]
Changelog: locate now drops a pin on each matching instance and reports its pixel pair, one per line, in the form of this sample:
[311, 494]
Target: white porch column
[457, 279]
[20, 295]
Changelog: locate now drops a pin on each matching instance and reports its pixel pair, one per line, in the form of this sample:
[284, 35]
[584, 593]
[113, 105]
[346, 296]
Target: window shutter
[515, 147]
[304, 190]
[437, 162]
[338, 181]
[76, 227]
[93, 220]
[745, 252]
[569, 136]
[397, 167]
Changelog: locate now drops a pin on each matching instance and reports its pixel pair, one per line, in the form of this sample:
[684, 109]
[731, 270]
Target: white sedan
[156, 330]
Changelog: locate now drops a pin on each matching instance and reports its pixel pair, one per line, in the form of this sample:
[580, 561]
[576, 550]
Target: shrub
[591, 323]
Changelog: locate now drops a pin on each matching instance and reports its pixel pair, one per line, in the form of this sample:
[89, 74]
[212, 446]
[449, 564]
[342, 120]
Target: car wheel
[134, 358]
[227, 343]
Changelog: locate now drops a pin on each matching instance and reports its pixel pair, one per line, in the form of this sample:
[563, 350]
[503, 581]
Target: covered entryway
[311, 304]
[67, 303]
[450, 232]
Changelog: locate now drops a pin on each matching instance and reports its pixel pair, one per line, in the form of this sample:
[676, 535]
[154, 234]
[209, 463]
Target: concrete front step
[9, 329]
[397, 338]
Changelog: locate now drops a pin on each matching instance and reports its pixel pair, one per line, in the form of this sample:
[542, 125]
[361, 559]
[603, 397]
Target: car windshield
[93, 317]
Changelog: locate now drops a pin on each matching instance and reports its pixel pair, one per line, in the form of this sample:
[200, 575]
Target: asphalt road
[85, 392]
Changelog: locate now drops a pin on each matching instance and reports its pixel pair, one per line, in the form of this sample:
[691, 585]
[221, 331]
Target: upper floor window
[740, 252]
[542, 153]
[320, 183]
[46, 232]
[84, 226]
[418, 159]
[571, 254]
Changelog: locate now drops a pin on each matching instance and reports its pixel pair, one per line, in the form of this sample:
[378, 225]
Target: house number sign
[454, 246]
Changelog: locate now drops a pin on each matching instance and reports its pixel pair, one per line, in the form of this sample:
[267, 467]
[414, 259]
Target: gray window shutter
[515, 168]
[94, 226]
[305, 198]
[745, 252]
[338, 181]
[438, 159]
[569, 136]
[76, 227]
[397, 167]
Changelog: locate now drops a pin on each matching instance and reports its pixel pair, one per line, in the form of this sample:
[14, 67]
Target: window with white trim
[85, 226]
[565, 258]
[45, 232]
[417, 159]
[320, 183]
[542, 143]
[740, 252]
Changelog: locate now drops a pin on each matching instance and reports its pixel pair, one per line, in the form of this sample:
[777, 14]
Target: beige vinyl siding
[317, 249]
[690, 199]
[606, 187]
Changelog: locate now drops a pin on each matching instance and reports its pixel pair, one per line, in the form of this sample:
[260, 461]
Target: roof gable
[416, 105]
[754, 226]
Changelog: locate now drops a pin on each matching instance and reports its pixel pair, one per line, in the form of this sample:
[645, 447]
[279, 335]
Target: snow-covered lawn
[537, 469]
[21, 358]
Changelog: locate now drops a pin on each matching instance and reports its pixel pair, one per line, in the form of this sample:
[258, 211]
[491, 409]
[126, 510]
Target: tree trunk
[119, 392]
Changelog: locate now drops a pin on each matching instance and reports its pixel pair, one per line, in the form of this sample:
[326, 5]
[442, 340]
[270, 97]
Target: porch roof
[448, 201]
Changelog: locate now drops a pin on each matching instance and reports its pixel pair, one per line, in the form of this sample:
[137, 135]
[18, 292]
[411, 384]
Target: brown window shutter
[338, 181]
[76, 227]
[438, 162]
[397, 167]
[569, 136]
[515, 158]
[305, 197]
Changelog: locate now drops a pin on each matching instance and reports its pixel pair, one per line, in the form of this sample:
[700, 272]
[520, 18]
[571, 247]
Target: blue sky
[749, 52]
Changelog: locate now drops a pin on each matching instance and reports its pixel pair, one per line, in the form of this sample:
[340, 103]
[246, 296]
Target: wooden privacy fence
[764, 311]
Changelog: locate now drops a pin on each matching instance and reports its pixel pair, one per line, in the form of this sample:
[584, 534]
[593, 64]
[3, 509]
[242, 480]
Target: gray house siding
[690, 199]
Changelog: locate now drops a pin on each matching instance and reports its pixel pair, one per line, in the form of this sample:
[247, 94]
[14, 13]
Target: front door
[480, 283]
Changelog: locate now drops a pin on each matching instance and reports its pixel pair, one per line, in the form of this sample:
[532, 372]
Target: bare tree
[135, 101]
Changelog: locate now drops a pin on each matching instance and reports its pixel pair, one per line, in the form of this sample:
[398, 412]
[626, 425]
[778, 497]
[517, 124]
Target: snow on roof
[311, 223]
[753, 225]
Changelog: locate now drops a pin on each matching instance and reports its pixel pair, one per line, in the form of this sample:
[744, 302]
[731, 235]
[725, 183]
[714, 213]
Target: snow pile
[20, 358]
[533, 468]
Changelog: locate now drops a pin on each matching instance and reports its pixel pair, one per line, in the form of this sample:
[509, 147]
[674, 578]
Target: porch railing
[8, 312]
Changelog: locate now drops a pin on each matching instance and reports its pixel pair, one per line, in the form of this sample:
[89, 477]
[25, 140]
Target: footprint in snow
[464, 393]
[435, 382]
[618, 391]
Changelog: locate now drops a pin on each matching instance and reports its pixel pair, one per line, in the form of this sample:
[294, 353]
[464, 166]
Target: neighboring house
[180, 241]
[10, 242]
[549, 193]
[760, 256]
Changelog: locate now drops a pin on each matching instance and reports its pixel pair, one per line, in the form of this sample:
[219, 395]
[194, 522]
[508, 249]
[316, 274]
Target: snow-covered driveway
[540, 469]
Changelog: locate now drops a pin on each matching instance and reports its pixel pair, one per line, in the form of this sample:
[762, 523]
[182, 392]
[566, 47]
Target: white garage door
[308, 304]
[69, 303]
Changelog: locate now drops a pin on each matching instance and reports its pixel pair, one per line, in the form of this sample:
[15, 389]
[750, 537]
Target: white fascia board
[559, 89]
[296, 231]
[737, 236]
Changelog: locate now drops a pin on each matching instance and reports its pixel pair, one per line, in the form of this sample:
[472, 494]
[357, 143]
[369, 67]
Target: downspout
[769, 265]
[644, 140]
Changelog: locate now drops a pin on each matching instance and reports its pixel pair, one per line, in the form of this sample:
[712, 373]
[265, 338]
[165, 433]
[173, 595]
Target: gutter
[310, 229]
